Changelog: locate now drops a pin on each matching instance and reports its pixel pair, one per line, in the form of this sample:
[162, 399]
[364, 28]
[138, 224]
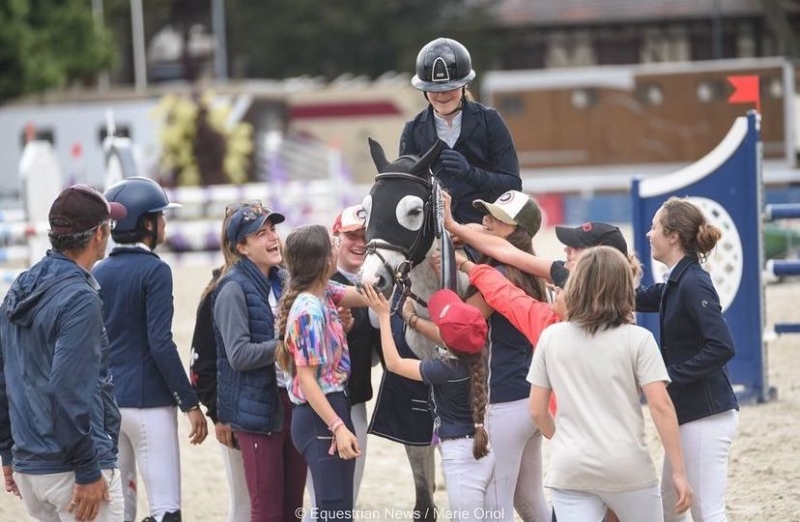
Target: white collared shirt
[448, 131]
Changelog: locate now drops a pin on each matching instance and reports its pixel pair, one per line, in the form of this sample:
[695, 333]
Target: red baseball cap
[350, 219]
[461, 326]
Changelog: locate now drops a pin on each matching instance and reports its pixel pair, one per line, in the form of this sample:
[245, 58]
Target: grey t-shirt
[599, 441]
[243, 354]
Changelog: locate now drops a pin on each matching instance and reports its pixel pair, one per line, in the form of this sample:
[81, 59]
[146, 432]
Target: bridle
[401, 280]
[413, 254]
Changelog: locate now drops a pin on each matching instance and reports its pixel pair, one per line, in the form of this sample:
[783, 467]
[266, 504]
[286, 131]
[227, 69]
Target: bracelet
[335, 423]
[412, 320]
[461, 266]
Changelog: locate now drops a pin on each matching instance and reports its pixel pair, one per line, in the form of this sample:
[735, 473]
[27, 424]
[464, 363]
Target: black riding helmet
[443, 65]
[141, 197]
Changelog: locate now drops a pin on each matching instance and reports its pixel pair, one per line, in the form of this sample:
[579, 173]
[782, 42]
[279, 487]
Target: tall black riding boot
[174, 516]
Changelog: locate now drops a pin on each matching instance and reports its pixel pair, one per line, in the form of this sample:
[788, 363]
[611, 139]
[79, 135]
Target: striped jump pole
[783, 267]
[782, 211]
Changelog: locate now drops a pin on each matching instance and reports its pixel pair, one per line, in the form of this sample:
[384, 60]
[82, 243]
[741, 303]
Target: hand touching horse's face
[399, 218]
[398, 234]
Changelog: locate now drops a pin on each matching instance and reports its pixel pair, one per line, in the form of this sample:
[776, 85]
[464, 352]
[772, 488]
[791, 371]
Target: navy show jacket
[696, 342]
[485, 142]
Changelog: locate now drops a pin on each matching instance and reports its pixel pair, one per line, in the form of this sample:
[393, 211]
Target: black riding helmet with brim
[443, 65]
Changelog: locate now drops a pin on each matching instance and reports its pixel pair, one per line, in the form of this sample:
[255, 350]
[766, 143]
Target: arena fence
[783, 267]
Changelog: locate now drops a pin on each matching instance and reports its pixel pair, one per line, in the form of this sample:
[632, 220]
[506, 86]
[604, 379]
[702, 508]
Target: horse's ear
[378, 155]
[423, 165]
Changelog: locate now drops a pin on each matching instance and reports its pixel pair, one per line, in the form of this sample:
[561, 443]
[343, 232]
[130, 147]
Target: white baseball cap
[350, 219]
[514, 208]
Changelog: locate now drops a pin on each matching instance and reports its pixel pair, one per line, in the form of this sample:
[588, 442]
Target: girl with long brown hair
[251, 390]
[458, 394]
[313, 349]
[514, 218]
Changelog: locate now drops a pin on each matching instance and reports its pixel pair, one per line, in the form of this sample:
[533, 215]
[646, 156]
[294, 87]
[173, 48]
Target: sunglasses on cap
[254, 209]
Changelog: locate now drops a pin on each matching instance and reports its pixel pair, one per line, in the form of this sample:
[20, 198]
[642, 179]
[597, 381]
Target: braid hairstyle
[308, 256]
[282, 355]
[478, 398]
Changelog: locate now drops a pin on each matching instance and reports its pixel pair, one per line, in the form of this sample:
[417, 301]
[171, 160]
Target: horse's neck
[425, 280]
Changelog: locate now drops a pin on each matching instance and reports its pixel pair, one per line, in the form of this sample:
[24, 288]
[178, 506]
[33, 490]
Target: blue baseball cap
[248, 219]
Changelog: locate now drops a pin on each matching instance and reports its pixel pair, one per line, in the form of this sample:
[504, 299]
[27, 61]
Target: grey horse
[401, 236]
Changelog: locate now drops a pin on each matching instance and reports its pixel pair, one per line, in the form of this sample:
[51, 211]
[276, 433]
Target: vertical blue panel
[735, 184]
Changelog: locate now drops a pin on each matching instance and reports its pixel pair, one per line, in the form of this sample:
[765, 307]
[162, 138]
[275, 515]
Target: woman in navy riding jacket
[149, 379]
[480, 161]
[696, 344]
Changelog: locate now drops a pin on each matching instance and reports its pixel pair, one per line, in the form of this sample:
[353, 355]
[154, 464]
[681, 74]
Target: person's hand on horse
[435, 259]
[454, 162]
[408, 310]
[447, 203]
[451, 225]
[460, 258]
[376, 301]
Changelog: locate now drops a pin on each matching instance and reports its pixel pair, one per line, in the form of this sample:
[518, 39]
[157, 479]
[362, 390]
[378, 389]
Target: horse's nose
[378, 278]
[381, 283]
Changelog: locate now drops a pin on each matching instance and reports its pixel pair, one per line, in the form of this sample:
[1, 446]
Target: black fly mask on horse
[401, 213]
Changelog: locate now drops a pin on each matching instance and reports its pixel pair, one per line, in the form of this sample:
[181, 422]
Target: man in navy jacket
[59, 422]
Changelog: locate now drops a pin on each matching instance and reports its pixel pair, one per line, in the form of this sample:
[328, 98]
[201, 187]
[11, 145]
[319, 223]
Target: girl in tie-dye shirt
[314, 351]
[316, 338]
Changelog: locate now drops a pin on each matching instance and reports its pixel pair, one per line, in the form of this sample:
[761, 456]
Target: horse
[401, 229]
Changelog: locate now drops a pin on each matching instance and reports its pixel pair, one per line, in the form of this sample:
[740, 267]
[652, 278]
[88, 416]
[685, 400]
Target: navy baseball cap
[592, 234]
[248, 219]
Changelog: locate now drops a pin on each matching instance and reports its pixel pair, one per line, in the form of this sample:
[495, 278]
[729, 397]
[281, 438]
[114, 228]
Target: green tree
[49, 43]
[282, 38]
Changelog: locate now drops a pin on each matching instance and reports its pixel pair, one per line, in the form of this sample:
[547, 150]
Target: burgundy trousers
[274, 471]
